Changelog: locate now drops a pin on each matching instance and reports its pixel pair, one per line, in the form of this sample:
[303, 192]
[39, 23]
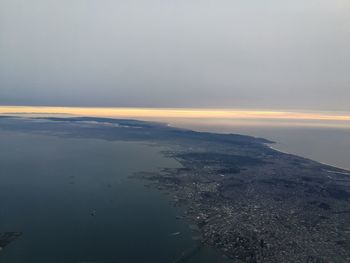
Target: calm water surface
[330, 145]
[50, 187]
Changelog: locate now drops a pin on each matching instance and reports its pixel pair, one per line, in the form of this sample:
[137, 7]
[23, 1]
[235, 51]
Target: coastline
[243, 197]
[324, 163]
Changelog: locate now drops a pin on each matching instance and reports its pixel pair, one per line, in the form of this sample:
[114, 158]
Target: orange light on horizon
[200, 113]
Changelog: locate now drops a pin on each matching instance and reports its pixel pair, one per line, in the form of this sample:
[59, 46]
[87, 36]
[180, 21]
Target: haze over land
[173, 115]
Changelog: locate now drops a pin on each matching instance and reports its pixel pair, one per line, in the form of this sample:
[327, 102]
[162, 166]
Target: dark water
[50, 187]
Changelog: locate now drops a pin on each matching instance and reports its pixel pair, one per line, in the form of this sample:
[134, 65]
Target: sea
[325, 142]
[73, 201]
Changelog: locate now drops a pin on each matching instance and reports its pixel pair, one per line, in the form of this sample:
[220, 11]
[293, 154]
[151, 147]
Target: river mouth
[73, 201]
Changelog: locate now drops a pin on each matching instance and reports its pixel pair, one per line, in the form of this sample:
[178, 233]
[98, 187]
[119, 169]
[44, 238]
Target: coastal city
[264, 210]
[236, 194]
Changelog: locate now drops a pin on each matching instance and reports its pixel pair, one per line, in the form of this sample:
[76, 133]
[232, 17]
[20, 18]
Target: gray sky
[280, 54]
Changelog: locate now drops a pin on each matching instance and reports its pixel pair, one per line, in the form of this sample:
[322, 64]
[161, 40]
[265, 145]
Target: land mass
[251, 202]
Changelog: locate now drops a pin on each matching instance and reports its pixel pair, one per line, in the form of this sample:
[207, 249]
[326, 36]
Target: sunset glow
[177, 113]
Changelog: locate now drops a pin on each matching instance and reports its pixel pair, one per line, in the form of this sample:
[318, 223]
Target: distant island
[249, 201]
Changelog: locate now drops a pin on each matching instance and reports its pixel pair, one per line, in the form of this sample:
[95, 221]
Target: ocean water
[324, 143]
[74, 202]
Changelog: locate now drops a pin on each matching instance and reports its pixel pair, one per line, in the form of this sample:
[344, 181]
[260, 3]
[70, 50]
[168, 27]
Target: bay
[74, 201]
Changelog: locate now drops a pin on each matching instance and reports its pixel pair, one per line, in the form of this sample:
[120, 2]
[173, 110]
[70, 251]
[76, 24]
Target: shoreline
[324, 163]
[264, 195]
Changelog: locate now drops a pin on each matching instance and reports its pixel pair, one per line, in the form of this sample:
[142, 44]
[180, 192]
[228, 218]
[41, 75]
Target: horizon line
[201, 113]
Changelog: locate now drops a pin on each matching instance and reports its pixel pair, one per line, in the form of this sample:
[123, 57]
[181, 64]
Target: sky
[272, 54]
